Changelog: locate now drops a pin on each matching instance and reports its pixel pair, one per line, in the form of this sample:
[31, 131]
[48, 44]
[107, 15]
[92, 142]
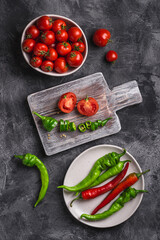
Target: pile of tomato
[52, 46]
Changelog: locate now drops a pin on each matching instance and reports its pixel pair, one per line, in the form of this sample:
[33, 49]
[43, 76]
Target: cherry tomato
[44, 23]
[88, 106]
[60, 65]
[67, 102]
[53, 45]
[58, 25]
[101, 37]
[47, 66]
[111, 56]
[48, 37]
[32, 32]
[63, 48]
[78, 46]
[40, 49]
[74, 58]
[51, 55]
[61, 36]
[74, 33]
[36, 61]
[28, 45]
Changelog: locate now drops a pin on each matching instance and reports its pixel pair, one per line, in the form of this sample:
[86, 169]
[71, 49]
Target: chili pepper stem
[76, 194]
[142, 191]
[18, 156]
[42, 117]
[79, 197]
[126, 161]
[109, 118]
[140, 174]
[35, 205]
[124, 151]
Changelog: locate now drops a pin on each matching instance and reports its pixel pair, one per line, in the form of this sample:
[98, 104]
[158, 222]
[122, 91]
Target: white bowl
[70, 23]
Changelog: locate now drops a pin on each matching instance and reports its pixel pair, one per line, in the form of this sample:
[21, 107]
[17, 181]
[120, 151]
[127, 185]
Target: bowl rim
[54, 74]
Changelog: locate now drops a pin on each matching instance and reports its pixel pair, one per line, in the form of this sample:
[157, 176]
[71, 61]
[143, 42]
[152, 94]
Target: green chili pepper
[66, 123]
[125, 197]
[108, 160]
[48, 122]
[99, 123]
[31, 161]
[111, 172]
[72, 126]
[94, 126]
[62, 125]
[82, 127]
[88, 124]
[105, 121]
[66, 126]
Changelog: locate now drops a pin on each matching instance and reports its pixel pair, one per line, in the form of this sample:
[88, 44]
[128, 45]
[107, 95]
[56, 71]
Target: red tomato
[58, 25]
[44, 23]
[36, 61]
[53, 45]
[101, 37]
[47, 66]
[60, 65]
[63, 48]
[88, 106]
[74, 33]
[28, 45]
[78, 46]
[40, 49]
[111, 56]
[32, 32]
[61, 36]
[67, 102]
[51, 55]
[74, 58]
[48, 37]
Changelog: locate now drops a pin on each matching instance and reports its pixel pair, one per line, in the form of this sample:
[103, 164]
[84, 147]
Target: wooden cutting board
[110, 101]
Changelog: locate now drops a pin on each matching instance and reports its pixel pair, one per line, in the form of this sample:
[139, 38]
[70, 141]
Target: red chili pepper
[95, 192]
[127, 182]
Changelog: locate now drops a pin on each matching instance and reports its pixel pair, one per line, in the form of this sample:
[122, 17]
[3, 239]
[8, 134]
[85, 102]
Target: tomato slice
[67, 102]
[88, 106]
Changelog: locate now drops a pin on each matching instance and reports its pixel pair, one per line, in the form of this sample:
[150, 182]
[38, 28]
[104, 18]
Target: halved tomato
[67, 102]
[88, 106]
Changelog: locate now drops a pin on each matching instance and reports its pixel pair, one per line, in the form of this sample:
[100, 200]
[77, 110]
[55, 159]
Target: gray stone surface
[135, 30]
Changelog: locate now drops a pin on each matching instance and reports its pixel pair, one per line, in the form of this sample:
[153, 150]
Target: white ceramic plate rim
[54, 73]
[90, 223]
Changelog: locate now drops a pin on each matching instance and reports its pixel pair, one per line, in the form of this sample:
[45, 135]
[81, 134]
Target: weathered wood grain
[45, 103]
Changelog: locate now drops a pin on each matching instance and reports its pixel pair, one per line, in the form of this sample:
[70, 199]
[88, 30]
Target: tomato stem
[48, 68]
[110, 40]
[63, 27]
[87, 98]
[65, 44]
[76, 48]
[73, 55]
[28, 36]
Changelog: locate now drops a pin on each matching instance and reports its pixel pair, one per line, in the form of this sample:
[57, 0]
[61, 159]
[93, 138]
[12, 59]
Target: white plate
[80, 168]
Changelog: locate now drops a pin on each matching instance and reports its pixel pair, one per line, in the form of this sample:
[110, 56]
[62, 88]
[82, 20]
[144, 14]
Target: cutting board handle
[125, 95]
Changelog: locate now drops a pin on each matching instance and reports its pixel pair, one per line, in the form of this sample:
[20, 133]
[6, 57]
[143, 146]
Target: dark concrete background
[135, 30]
